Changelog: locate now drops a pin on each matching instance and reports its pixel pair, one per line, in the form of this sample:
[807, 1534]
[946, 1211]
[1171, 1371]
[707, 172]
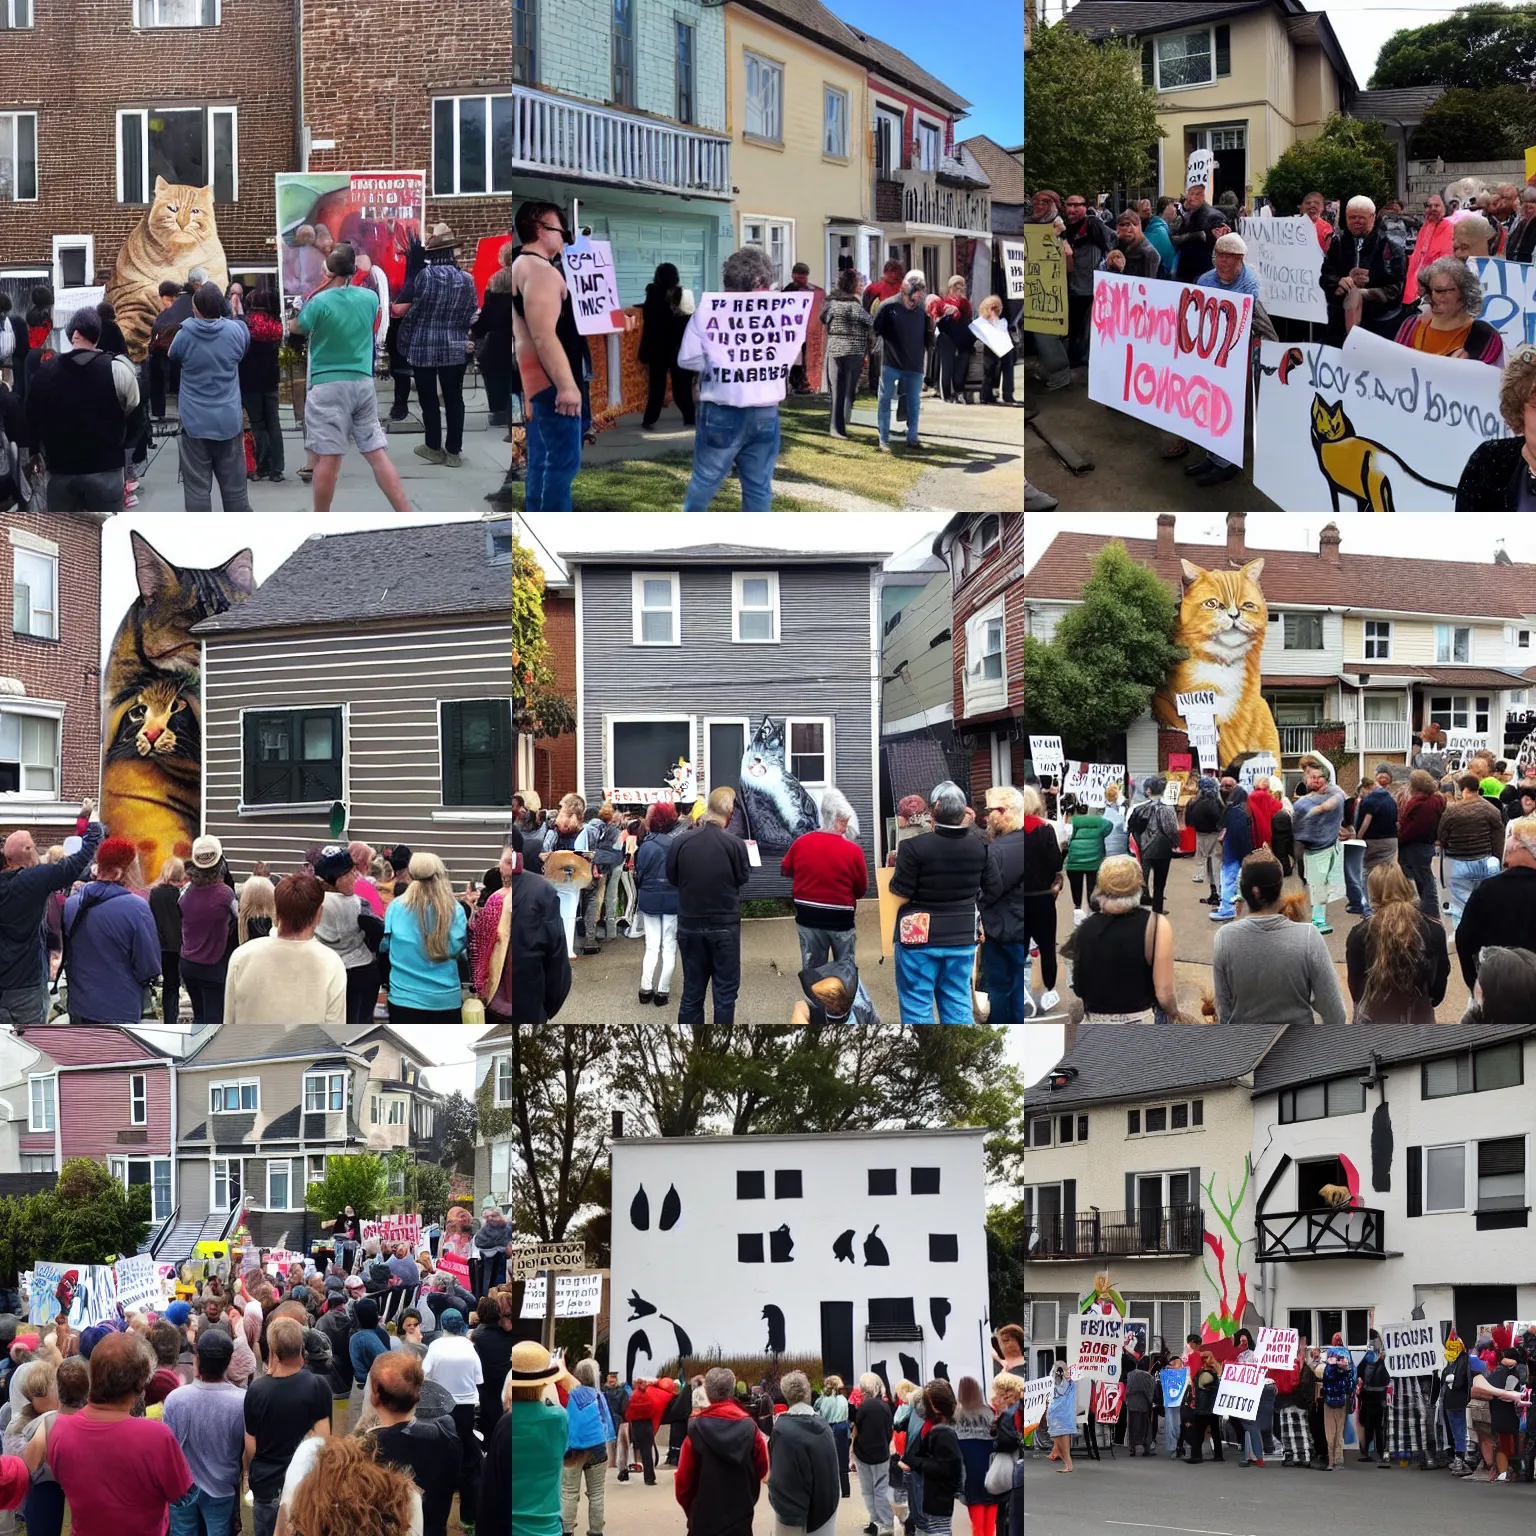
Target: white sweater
[285, 981]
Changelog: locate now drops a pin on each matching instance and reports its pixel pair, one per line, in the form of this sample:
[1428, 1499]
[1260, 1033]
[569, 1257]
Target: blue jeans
[1466, 876]
[816, 944]
[1229, 874]
[200, 1514]
[744, 435]
[1254, 1437]
[1002, 969]
[1171, 1429]
[910, 383]
[925, 973]
[1354, 878]
[1458, 1423]
[554, 454]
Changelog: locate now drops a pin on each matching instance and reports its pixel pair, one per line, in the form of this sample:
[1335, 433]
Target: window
[983, 679]
[928, 146]
[160, 1188]
[373, 1109]
[684, 72]
[74, 260]
[1319, 1101]
[15, 14]
[476, 737]
[1184, 59]
[18, 155]
[471, 145]
[525, 16]
[176, 13]
[751, 1184]
[624, 52]
[293, 756]
[777, 237]
[925, 1181]
[43, 1091]
[755, 607]
[1523, 639]
[396, 1111]
[1197, 1112]
[1378, 639]
[1495, 1066]
[1040, 1131]
[1445, 1178]
[502, 1067]
[29, 754]
[1157, 1119]
[882, 1181]
[224, 1183]
[314, 1169]
[231, 1098]
[810, 750]
[162, 147]
[1064, 1128]
[765, 95]
[1133, 1122]
[138, 1099]
[279, 1172]
[1453, 642]
[988, 535]
[1460, 711]
[749, 1247]
[992, 650]
[1164, 1117]
[787, 1184]
[37, 1162]
[1180, 1116]
[325, 1091]
[1501, 1174]
[657, 598]
[1303, 632]
[834, 122]
[887, 142]
[34, 593]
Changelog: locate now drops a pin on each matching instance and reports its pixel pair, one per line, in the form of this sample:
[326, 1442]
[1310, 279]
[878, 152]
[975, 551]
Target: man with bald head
[25, 886]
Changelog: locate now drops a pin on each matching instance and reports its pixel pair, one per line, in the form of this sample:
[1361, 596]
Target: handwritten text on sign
[1411, 1349]
[1238, 1395]
[1093, 1345]
[575, 1295]
[1110, 1400]
[1199, 705]
[1087, 780]
[1045, 752]
[1285, 255]
[594, 290]
[1509, 298]
[1277, 1347]
[393, 1229]
[1173, 355]
[1037, 1398]
[1042, 281]
[1013, 259]
[1201, 166]
[529, 1258]
[752, 338]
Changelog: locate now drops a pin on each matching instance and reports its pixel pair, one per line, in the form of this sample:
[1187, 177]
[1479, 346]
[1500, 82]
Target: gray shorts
[341, 412]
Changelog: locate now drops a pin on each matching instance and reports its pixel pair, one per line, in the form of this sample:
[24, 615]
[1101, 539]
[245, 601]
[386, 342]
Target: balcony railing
[924, 200]
[1377, 736]
[571, 138]
[1296, 740]
[1349, 1232]
[1149, 1230]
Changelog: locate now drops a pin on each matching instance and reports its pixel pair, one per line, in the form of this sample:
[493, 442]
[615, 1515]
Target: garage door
[641, 244]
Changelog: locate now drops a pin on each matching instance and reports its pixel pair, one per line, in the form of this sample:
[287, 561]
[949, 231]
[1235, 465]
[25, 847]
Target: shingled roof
[1004, 172]
[1109, 18]
[1308, 1054]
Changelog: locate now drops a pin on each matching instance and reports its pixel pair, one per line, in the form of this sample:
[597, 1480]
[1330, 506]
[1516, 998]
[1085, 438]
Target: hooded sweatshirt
[720, 1471]
[114, 951]
[209, 352]
[863, 1010]
[803, 1485]
[1204, 812]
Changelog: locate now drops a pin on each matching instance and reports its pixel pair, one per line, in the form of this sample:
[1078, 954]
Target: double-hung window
[18, 155]
[1378, 639]
[656, 606]
[808, 747]
[755, 607]
[279, 1175]
[138, 1099]
[41, 1090]
[525, 20]
[765, 98]
[161, 150]
[777, 237]
[325, 1092]
[1453, 642]
[29, 753]
[471, 145]
[684, 72]
[176, 13]
[34, 593]
[928, 146]
[233, 1097]
[15, 14]
[502, 1066]
[624, 53]
[834, 131]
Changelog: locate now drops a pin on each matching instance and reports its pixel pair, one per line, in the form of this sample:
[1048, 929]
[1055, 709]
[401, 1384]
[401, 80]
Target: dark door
[1149, 1211]
[837, 1338]
[1479, 1305]
[727, 743]
[1231, 174]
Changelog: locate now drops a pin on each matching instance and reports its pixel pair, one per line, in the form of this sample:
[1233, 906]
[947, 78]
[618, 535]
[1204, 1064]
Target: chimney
[1237, 543]
[1328, 543]
[1165, 521]
[618, 1124]
[1070, 1029]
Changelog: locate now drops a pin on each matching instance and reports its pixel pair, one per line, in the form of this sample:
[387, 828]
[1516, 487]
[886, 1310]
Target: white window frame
[829, 93]
[138, 1098]
[44, 710]
[37, 1162]
[1163, 1175]
[749, 57]
[50, 1105]
[1465, 705]
[1170, 1129]
[895, 118]
[323, 1077]
[214, 1165]
[285, 809]
[395, 1109]
[488, 97]
[921, 121]
[1377, 647]
[637, 597]
[707, 780]
[310, 1176]
[739, 580]
[829, 749]
[983, 693]
[51, 607]
[504, 1059]
[1448, 633]
[373, 1109]
[10, 16]
[240, 1084]
[1157, 60]
[769, 222]
[141, 6]
[1445, 1146]
[141, 114]
[286, 1164]
[1522, 639]
[69, 242]
[37, 174]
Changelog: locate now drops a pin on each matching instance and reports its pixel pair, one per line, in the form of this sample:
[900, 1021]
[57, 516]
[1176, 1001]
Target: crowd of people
[82, 936]
[923, 1450]
[1469, 1416]
[680, 875]
[1377, 850]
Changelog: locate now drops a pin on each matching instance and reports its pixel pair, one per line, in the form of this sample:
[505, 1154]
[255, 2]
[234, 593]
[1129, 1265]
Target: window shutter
[1130, 1194]
[1194, 1187]
[1069, 1214]
[1146, 62]
[1415, 1181]
[1223, 50]
[453, 752]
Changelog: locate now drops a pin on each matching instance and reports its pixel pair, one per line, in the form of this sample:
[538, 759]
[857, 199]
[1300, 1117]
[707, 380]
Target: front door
[725, 742]
[1479, 1305]
[1229, 145]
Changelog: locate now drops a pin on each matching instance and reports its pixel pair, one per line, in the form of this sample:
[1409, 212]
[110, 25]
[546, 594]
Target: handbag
[999, 1478]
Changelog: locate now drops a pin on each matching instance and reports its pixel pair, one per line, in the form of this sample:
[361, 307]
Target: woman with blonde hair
[1122, 962]
[994, 367]
[425, 931]
[337, 1486]
[165, 907]
[1397, 961]
[258, 908]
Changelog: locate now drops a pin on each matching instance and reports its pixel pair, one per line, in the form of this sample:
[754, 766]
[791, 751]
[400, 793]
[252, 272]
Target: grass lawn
[652, 485]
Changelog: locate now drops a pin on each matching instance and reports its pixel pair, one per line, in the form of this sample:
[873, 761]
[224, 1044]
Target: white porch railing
[1377, 736]
[551, 134]
[1295, 739]
[925, 201]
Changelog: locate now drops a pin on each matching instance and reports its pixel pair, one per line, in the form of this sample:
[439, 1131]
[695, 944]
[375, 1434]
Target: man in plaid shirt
[438, 304]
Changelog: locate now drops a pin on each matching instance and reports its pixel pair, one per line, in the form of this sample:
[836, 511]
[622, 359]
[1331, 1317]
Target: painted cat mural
[776, 805]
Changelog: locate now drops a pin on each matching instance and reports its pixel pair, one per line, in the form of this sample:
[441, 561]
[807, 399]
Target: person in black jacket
[1500, 475]
[935, 1454]
[1372, 1380]
[1362, 276]
[493, 330]
[1002, 920]
[1042, 863]
[663, 324]
[708, 868]
[803, 1484]
[541, 969]
[258, 373]
[1196, 236]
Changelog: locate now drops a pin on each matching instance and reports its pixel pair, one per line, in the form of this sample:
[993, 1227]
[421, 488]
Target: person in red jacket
[643, 1415]
[1263, 802]
[723, 1463]
[830, 877]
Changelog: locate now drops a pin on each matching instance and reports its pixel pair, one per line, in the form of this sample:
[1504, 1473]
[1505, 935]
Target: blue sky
[977, 51]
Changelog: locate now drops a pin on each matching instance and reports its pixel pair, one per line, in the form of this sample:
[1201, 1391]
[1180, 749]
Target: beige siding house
[493, 1155]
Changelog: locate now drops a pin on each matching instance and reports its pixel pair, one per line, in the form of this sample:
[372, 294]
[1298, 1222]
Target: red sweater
[646, 1403]
[684, 1483]
[1262, 806]
[829, 877]
[1418, 818]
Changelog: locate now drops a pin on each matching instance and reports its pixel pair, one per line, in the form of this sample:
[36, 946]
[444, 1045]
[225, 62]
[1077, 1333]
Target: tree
[360, 1180]
[538, 708]
[87, 1218]
[1109, 655]
[1479, 47]
[424, 1185]
[1091, 120]
[1350, 158]
[457, 1123]
[1495, 123]
[1005, 1262]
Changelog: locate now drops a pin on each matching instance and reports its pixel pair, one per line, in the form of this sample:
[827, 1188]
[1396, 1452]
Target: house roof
[1003, 171]
[1129, 1061]
[1408, 102]
[1308, 1054]
[1460, 677]
[887, 60]
[255, 1044]
[724, 554]
[1385, 583]
[494, 1035]
[384, 1032]
[91, 1045]
[431, 569]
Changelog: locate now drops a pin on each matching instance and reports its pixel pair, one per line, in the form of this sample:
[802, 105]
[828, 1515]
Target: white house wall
[696, 1296]
[1276, 659]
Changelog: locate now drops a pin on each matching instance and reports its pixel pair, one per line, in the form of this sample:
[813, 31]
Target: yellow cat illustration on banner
[1359, 468]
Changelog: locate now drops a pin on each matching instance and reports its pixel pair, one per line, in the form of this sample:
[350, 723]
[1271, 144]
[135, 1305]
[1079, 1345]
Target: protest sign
[1199, 705]
[1382, 427]
[278, 1259]
[1288, 261]
[1410, 1349]
[1509, 299]
[751, 339]
[1202, 165]
[1045, 753]
[1238, 1394]
[1174, 355]
[575, 1295]
[594, 288]
[1258, 769]
[86, 1292]
[66, 301]
[1175, 1380]
[1087, 780]
[527, 1259]
[1277, 1348]
[1173, 789]
[390, 1229]
[1110, 1399]
[1530, 164]
[1203, 737]
[1042, 284]
[1037, 1398]
[138, 1283]
[1093, 1345]
[457, 1266]
[1011, 254]
[993, 334]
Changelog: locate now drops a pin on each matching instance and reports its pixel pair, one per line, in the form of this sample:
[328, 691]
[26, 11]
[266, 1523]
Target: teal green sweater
[1086, 850]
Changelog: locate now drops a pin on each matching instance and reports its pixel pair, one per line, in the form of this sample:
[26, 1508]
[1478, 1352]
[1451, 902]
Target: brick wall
[67, 669]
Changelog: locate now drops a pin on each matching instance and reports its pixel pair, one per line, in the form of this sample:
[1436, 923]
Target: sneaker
[431, 455]
[130, 501]
[397, 415]
[882, 447]
[277, 477]
[453, 460]
[915, 444]
[1030, 1010]
[1036, 500]
[1199, 878]
[871, 1529]
[130, 486]
[1049, 1000]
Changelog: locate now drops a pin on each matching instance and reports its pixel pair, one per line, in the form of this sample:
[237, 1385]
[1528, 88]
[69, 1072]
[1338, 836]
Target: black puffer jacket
[946, 873]
[1042, 857]
[1002, 919]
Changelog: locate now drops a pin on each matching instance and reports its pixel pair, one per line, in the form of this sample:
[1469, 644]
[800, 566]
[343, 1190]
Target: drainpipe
[175, 1185]
[300, 158]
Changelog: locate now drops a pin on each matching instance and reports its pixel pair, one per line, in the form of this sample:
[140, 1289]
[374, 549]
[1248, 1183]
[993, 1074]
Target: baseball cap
[215, 1347]
[453, 1321]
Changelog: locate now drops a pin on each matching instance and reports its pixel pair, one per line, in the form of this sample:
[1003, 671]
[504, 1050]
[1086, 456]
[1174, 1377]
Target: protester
[872, 1431]
[1205, 815]
[1122, 955]
[493, 331]
[956, 342]
[260, 315]
[453, 1363]
[1500, 909]
[887, 286]
[1472, 841]
[1362, 276]
[290, 975]
[328, 1481]
[906, 333]
[209, 929]
[406, 1437]
[657, 899]
[1085, 242]
[1004, 946]
[257, 910]
[935, 1456]
[1132, 253]
[1500, 474]
[829, 878]
[208, 1419]
[1397, 959]
[437, 305]
[525, 978]
[345, 928]
[1317, 817]
[723, 1462]
[605, 841]
[209, 347]
[1434, 239]
[1236, 844]
[111, 945]
[1376, 825]
[1473, 237]
[491, 1244]
[1085, 853]
[425, 933]
[803, 1485]
[849, 330]
[1118, 838]
[1042, 864]
[664, 318]
[1451, 327]
[1505, 990]
[568, 834]
[647, 1403]
[708, 868]
[1418, 824]
[1338, 1386]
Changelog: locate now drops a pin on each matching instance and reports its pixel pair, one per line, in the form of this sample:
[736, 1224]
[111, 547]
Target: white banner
[1087, 780]
[1410, 1349]
[1205, 739]
[1172, 788]
[1509, 299]
[1260, 768]
[1238, 1395]
[1199, 705]
[527, 1259]
[1037, 1398]
[1012, 252]
[393, 1229]
[1045, 753]
[752, 338]
[1094, 1340]
[1173, 355]
[1288, 262]
[993, 334]
[1371, 427]
[1200, 168]
[575, 1295]
[139, 1284]
[1277, 1348]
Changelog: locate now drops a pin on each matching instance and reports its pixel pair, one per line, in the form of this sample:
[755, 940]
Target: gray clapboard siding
[391, 678]
[821, 666]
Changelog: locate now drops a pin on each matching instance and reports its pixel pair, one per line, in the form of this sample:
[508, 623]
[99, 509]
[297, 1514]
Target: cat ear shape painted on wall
[874, 1249]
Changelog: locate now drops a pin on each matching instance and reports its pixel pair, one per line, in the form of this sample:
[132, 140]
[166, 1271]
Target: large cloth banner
[1042, 281]
[1093, 1345]
[1411, 1349]
[1371, 427]
[1285, 255]
[139, 1284]
[1174, 355]
[1509, 299]
[87, 1293]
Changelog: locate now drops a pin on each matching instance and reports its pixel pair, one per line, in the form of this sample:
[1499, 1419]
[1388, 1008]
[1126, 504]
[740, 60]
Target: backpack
[7, 340]
[1150, 838]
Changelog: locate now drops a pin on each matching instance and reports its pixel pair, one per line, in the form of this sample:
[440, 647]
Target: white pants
[660, 945]
[570, 898]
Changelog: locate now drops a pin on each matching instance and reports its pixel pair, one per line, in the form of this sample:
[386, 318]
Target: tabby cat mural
[1221, 622]
[152, 740]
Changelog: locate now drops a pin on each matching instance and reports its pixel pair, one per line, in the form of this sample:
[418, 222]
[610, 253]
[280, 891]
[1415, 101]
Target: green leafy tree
[1350, 158]
[456, 1123]
[1479, 47]
[538, 708]
[424, 1185]
[1109, 655]
[1005, 1262]
[1090, 119]
[1493, 123]
[87, 1218]
[360, 1180]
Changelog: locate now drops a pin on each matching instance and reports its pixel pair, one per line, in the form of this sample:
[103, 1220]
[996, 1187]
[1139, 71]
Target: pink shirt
[370, 895]
[119, 1475]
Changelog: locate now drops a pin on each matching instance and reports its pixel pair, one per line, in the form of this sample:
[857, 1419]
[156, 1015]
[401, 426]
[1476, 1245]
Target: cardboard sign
[1411, 1349]
[1037, 1398]
[1110, 1400]
[1258, 769]
[1417, 418]
[1287, 260]
[1087, 780]
[575, 1295]
[1175, 356]
[993, 334]
[283, 1257]
[139, 1286]
[1093, 1345]
[1043, 281]
[1238, 1394]
[1012, 255]
[529, 1259]
[1509, 299]
[88, 1292]
[1205, 739]
[594, 288]
[1530, 163]
[1045, 753]
[390, 1229]
[1469, 742]
[1173, 789]
[1199, 171]
[1175, 1380]
[1276, 1348]
[753, 338]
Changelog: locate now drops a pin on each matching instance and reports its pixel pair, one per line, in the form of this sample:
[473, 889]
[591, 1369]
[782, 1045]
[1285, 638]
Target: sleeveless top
[571, 342]
[1111, 973]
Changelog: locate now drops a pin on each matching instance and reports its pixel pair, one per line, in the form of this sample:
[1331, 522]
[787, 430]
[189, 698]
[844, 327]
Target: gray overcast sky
[449, 1046]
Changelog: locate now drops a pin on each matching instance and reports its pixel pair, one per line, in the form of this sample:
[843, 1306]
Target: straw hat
[532, 1366]
[441, 239]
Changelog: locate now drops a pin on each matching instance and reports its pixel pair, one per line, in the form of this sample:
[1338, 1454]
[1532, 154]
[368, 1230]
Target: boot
[1320, 918]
